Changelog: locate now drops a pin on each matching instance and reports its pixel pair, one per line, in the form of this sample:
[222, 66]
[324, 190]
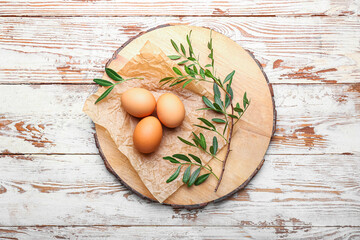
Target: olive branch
[198, 73]
[105, 83]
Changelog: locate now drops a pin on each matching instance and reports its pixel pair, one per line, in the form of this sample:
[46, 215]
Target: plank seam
[243, 226]
[182, 16]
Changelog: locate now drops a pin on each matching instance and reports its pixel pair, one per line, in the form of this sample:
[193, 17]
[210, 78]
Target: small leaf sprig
[198, 73]
[188, 177]
[105, 83]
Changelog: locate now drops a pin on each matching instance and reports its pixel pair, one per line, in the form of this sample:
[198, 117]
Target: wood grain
[171, 7]
[291, 50]
[179, 232]
[257, 133]
[288, 191]
[312, 119]
[295, 194]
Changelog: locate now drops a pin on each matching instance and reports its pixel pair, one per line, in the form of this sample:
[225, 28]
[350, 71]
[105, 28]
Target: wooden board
[53, 183]
[255, 129]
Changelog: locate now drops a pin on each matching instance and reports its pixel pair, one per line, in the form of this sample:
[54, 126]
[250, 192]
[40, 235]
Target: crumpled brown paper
[152, 65]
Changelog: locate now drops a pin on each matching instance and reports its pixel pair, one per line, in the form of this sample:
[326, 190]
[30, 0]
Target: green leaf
[225, 127]
[230, 91]
[175, 175]
[233, 116]
[163, 84]
[215, 144]
[197, 139]
[191, 51]
[186, 142]
[201, 179]
[173, 160]
[191, 59]
[208, 102]
[186, 175]
[208, 65]
[166, 79]
[189, 43]
[245, 100]
[194, 177]
[202, 73]
[203, 127]
[104, 94]
[177, 71]
[103, 82]
[208, 73]
[113, 75]
[197, 142]
[182, 49]
[192, 74]
[197, 159]
[183, 62]
[174, 57]
[239, 110]
[174, 45]
[218, 120]
[195, 70]
[219, 102]
[203, 109]
[217, 107]
[187, 70]
[227, 99]
[216, 90]
[229, 77]
[176, 83]
[186, 83]
[202, 141]
[207, 123]
[182, 157]
[211, 150]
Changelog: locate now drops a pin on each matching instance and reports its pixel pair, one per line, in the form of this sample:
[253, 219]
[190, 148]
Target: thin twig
[228, 148]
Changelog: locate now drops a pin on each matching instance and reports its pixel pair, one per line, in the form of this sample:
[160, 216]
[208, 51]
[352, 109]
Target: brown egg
[147, 135]
[138, 102]
[170, 110]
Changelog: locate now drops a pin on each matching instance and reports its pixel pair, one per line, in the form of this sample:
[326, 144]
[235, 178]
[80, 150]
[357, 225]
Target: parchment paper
[152, 65]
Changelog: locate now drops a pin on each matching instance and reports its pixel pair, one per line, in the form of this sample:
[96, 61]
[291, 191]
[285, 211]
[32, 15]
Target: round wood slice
[256, 127]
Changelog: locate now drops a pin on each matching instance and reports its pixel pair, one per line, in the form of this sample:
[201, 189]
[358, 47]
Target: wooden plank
[171, 7]
[179, 232]
[321, 50]
[288, 191]
[311, 119]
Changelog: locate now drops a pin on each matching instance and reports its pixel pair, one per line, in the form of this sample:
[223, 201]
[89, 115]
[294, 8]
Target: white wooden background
[53, 183]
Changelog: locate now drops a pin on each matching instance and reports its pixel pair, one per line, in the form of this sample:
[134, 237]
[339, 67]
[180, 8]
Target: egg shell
[170, 110]
[147, 135]
[138, 102]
